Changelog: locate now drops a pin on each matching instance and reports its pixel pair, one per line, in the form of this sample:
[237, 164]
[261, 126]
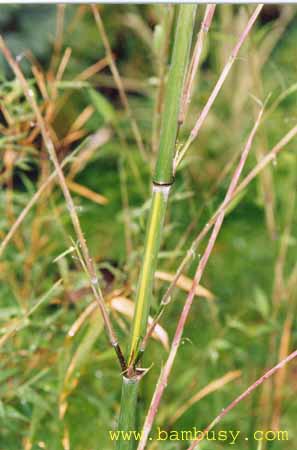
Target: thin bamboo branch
[213, 386]
[94, 282]
[163, 379]
[204, 113]
[194, 65]
[268, 158]
[242, 396]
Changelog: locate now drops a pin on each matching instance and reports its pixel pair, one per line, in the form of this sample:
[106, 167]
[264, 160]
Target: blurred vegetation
[60, 386]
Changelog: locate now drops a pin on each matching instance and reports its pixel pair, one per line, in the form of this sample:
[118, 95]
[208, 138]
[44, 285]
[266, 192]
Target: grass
[60, 378]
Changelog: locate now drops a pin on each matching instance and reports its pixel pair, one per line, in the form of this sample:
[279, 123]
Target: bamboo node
[162, 188]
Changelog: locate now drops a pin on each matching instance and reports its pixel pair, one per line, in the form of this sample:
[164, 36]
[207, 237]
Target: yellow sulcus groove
[145, 282]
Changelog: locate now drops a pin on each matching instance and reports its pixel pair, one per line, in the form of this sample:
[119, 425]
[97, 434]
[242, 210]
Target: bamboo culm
[162, 182]
[163, 176]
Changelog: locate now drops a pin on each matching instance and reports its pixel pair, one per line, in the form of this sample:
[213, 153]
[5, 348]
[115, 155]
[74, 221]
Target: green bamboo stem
[173, 94]
[162, 181]
[145, 283]
[128, 407]
[163, 176]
